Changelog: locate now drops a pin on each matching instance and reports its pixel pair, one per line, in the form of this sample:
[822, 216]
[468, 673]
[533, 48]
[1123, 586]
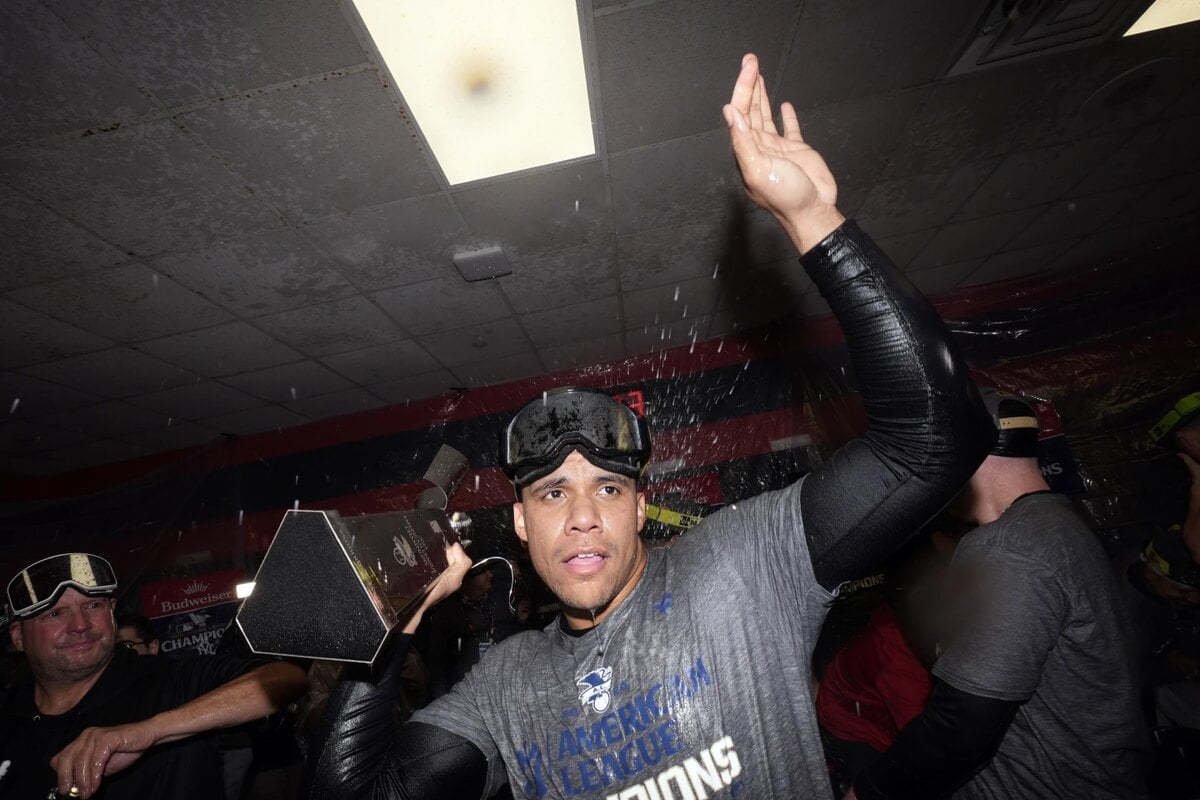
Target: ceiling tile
[561, 357]
[266, 419]
[93, 372]
[667, 336]
[259, 273]
[902, 247]
[336, 404]
[416, 387]
[768, 293]
[179, 53]
[644, 51]
[550, 280]
[686, 299]
[939, 280]
[106, 451]
[1037, 176]
[574, 323]
[533, 212]
[127, 303]
[30, 337]
[148, 187]
[1167, 199]
[960, 241]
[22, 396]
[40, 245]
[176, 436]
[221, 350]
[501, 369]
[1069, 219]
[197, 400]
[393, 244]
[289, 382]
[650, 190]
[53, 78]
[851, 48]
[337, 327]
[665, 256]
[327, 146]
[106, 419]
[383, 363]
[495, 339]
[1017, 263]
[20, 436]
[1111, 244]
[443, 304]
[919, 202]
[1156, 151]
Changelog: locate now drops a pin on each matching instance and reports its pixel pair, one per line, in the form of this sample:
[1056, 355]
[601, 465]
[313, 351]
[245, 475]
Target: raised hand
[781, 172]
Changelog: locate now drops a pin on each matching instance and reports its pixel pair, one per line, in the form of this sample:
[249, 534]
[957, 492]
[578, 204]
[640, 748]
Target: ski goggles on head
[1180, 414]
[38, 586]
[607, 433]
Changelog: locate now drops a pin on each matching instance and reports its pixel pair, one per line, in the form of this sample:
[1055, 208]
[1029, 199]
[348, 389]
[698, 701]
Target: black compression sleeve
[927, 428]
[360, 752]
[953, 738]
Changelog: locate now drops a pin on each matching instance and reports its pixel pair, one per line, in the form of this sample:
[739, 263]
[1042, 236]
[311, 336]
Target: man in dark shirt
[96, 719]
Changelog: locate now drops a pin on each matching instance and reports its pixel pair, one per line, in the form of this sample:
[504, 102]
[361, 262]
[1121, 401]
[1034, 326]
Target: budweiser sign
[190, 594]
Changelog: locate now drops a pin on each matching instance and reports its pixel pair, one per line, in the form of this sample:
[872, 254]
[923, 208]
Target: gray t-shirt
[1045, 625]
[698, 685]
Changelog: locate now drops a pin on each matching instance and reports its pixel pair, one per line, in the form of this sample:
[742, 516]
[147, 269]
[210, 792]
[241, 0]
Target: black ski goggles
[38, 586]
[607, 432]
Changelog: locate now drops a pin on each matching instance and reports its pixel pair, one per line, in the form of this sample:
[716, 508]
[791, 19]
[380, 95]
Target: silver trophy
[333, 587]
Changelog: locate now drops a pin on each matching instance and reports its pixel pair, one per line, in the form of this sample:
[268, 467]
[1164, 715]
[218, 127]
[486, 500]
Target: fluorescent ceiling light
[496, 87]
[1164, 14]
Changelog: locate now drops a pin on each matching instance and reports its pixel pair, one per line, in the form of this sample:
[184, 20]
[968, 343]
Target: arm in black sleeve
[953, 738]
[359, 751]
[927, 428]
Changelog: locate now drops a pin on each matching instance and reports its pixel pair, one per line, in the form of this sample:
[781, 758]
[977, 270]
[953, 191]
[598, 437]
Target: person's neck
[54, 697]
[1003, 493]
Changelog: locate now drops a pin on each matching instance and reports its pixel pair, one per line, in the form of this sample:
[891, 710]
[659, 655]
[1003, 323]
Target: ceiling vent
[1013, 31]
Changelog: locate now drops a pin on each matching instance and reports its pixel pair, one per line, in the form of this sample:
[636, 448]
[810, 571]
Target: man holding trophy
[654, 683]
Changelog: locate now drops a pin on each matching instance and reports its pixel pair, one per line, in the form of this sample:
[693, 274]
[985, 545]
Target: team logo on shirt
[595, 689]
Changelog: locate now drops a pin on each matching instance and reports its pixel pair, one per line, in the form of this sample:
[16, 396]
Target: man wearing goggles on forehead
[684, 672]
[97, 720]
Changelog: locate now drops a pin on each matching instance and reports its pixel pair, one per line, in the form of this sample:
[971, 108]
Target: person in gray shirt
[1037, 693]
[683, 672]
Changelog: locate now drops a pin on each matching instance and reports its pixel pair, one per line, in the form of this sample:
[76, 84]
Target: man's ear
[14, 633]
[519, 522]
[641, 511]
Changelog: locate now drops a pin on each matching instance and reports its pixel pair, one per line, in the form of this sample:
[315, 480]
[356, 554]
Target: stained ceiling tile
[221, 350]
[495, 339]
[918, 202]
[40, 245]
[289, 382]
[534, 212]
[960, 241]
[501, 369]
[93, 372]
[337, 327]
[259, 273]
[651, 190]
[561, 277]
[575, 355]
[442, 304]
[72, 86]
[148, 187]
[256, 420]
[382, 363]
[197, 400]
[574, 323]
[336, 404]
[644, 52]
[660, 257]
[30, 337]
[323, 147]
[127, 303]
[179, 55]
[686, 299]
[393, 244]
